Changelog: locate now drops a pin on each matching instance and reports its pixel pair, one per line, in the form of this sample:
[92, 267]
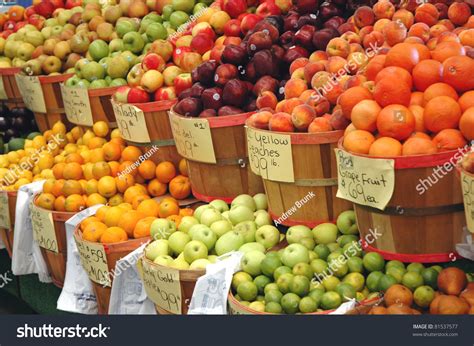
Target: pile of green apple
[213, 230]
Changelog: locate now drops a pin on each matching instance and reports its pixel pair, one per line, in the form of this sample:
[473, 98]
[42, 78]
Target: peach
[302, 116]
[321, 124]
[364, 16]
[307, 95]
[322, 80]
[364, 31]
[447, 23]
[357, 61]
[420, 30]
[448, 36]
[267, 99]
[294, 88]
[356, 47]
[470, 22]
[311, 68]
[395, 32]
[338, 121]
[351, 37]
[459, 13]
[380, 24]
[467, 38]
[298, 74]
[354, 81]
[427, 13]
[260, 120]
[374, 39]
[320, 105]
[281, 122]
[287, 106]
[404, 16]
[336, 65]
[437, 30]
[318, 56]
[333, 93]
[414, 39]
[346, 27]
[384, 9]
[297, 63]
[338, 47]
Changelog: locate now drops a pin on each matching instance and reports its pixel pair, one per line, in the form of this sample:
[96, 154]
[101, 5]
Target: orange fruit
[58, 188]
[48, 185]
[441, 113]
[113, 216]
[156, 188]
[175, 218]
[136, 200]
[94, 231]
[364, 115]
[95, 199]
[101, 169]
[466, 100]
[404, 55]
[418, 113]
[74, 203]
[113, 235]
[100, 213]
[45, 201]
[351, 97]
[96, 142]
[124, 181]
[129, 220]
[116, 200]
[131, 153]
[447, 49]
[87, 221]
[112, 151]
[149, 207]
[418, 146]
[167, 208]
[466, 124]
[72, 187]
[114, 168]
[183, 167]
[395, 73]
[106, 187]
[147, 169]
[73, 171]
[426, 73]
[385, 147]
[186, 212]
[390, 91]
[142, 228]
[439, 89]
[396, 121]
[358, 141]
[180, 187]
[59, 203]
[458, 71]
[449, 139]
[165, 171]
[74, 157]
[58, 170]
[132, 192]
[416, 98]
[100, 128]
[126, 167]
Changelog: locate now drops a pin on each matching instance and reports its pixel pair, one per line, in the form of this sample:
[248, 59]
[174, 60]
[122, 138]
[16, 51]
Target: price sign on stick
[4, 210]
[365, 181]
[131, 123]
[94, 260]
[270, 155]
[31, 92]
[467, 182]
[77, 105]
[193, 138]
[162, 286]
[43, 228]
[3, 94]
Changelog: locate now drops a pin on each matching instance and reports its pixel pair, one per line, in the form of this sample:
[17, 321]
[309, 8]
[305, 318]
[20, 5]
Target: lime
[394, 263]
[261, 281]
[365, 292]
[260, 298]
[247, 290]
[423, 296]
[360, 296]
[238, 298]
[355, 265]
[385, 282]
[319, 266]
[273, 308]
[273, 296]
[280, 271]
[356, 280]
[315, 284]
[257, 306]
[352, 249]
[373, 262]
[412, 280]
[284, 281]
[430, 277]
[346, 239]
[270, 287]
[313, 255]
[333, 247]
[307, 305]
[330, 283]
[239, 278]
[331, 300]
[339, 267]
[316, 294]
[373, 281]
[346, 291]
[396, 272]
[300, 285]
[303, 269]
[415, 267]
[269, 264]
[290, 303]
[437, 268]
[322, 251]
[335, 256]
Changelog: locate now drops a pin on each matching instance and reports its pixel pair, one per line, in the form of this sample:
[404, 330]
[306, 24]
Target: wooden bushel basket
[231, 175]
[7, 234]
[11, 88]
[417, 227]
[315, 171]
[53, 101]
[101, 106]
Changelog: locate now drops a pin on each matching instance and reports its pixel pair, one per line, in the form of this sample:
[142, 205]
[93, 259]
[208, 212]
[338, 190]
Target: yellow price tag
[4, 210]
[77, 105]
[94, 261]
[43, 228]
[31, 92]
[467, 182]
[131, 123]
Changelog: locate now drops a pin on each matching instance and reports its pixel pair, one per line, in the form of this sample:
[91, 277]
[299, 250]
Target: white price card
[31, 92]
[94, 260]
[43, 228]
[467, 183]
[4, 210]
[131, 122]
[77, 105]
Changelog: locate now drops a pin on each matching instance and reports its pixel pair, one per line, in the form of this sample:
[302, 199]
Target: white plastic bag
[27, 257]
[466, 249]
[128, 295]
[211, 290]
[77, 294]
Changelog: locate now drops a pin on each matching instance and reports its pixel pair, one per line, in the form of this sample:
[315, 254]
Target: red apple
[181, 82]
[45, 9]
[201, 43]
[72, 3]
[29, 11]
[224, 73]
[268, 8]
[178, 54]
[235, 7]
[212, 98]
[37, 21]
[249, 21]
[204, 28]
[121, 95]
[232, 28]
[138, 95]
[153, 61]
[165, 93]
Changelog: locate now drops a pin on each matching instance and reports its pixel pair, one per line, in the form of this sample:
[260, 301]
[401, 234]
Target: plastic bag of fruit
[27, 258]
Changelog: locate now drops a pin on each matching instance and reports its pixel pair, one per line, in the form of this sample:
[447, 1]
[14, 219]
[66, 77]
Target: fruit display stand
[42, 95]
[49, 230]
[7, 218]
[216, 156]
[99, 262]
[170, 289]
[299, 173]
[417, 225]
[11, 94]
[148, 125]
[467, 186]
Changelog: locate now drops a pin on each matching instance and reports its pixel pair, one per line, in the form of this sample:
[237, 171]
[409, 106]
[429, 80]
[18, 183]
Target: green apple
[123, 27]
[345, 239]
[25, 50]
[83, 84]
[180, 264]
[346, 222]
[217, 203]
[183, 5]
[240, 277]
[199, 210]
[93, 71]
[294, 254]
[245, 200]
[206, 236]
[247, 229]
[117, 82]
[72, 82]
[34, 37]
[295, 234]
[51, 22]
[156, 31]
[56, 30]
[118, 67]
[98, 49]
[194, 250]
[162, 229]
[230, 241]
[133, 42]
[325, 233]
[116, 45]
[212, 258]
[200, 264]
[268, 236]
[270, 264]
[220, 227]
[196, 228]
[240, 213]
[199, 7]
[186, 223]
[254, 246]
[250, 262]
[262, 217]
[167, 11]
[177, 242]
[209, 216]
[225, 215]
[154, 17]
[98, 84]
[164, 260]
[261, 201]
[157, 248]
[178, 18]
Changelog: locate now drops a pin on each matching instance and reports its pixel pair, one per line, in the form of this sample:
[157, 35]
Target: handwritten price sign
[3, 94]
[77, 105]
[467, 183]
[162, 286]
[365, 181]
[131, 123]
[193, 138]
[94, 261]
[43, 228]
[270, 155]
[31, 92]
[4, 210]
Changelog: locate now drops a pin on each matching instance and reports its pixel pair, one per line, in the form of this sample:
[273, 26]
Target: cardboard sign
[467, 182]
[365, 181]
[94, 261]
[43, 228]
[193, 138]
[3, 93]
[4, 210]
[31, 92]
[270, 155]
[131, 123]
[77, 105]
[162, 286]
